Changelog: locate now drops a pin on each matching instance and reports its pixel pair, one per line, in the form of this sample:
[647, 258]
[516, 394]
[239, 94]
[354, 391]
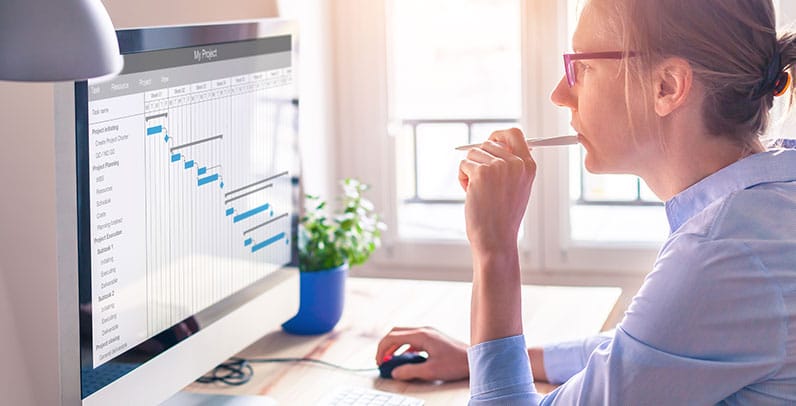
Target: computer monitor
[186, 173]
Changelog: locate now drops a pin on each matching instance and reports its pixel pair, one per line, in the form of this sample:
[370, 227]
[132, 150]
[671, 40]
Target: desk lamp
[56, 40]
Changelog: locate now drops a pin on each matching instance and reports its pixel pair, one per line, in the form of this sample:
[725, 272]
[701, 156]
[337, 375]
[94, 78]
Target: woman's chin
[593, 165]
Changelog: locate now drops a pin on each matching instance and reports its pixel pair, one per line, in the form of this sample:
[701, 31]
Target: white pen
[537, 142]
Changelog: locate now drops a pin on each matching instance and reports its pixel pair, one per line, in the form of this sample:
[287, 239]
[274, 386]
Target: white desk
[373, 306]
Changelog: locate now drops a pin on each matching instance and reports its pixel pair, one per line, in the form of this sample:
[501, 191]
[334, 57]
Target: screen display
[185, 193]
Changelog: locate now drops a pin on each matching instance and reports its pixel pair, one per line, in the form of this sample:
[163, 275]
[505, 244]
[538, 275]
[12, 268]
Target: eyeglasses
[569, 68]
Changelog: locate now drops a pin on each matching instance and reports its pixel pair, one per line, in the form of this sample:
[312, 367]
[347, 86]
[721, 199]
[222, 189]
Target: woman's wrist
[536, 355]
[499, 258]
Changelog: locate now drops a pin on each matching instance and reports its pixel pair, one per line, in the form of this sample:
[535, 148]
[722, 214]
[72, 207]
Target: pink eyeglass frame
[569, 58]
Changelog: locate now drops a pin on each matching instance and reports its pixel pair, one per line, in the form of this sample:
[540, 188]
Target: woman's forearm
[496, 303]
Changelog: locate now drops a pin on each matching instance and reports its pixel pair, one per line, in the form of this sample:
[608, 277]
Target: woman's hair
[732, 46]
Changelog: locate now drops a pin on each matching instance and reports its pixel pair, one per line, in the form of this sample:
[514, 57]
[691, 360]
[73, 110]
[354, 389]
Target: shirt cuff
[500, 367]
[563, 360]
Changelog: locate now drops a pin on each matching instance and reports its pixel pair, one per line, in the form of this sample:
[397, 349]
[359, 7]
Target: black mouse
[386, 367]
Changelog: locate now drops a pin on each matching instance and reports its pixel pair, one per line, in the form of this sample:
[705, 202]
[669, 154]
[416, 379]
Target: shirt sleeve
[565, 359]
[500, 373]
[707, 322]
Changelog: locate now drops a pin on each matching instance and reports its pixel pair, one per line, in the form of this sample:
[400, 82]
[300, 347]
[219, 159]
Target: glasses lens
[570, 73]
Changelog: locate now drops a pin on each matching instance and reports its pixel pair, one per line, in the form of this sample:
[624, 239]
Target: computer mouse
[392, 362]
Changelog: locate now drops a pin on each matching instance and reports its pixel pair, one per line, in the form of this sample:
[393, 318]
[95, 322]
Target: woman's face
[597, 100]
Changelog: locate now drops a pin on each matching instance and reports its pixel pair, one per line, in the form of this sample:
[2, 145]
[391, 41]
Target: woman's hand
[497, 177]
[447, 358]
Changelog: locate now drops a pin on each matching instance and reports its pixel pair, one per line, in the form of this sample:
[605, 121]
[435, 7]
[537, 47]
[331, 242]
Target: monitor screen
[186, 188]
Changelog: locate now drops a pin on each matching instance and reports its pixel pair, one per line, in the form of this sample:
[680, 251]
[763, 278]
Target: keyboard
[367, 397]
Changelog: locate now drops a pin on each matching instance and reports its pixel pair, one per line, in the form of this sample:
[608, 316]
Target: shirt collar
[766, 167]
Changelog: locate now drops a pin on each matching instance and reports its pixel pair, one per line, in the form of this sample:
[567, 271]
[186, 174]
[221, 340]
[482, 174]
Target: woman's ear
[673, 81]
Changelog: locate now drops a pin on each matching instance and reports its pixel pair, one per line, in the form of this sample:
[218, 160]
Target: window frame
[362, 89]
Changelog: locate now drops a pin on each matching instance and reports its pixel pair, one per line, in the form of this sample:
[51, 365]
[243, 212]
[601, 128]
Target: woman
[676, 92]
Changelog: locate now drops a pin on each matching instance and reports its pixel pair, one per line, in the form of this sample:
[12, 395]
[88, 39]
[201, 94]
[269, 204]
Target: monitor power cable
[239, 371]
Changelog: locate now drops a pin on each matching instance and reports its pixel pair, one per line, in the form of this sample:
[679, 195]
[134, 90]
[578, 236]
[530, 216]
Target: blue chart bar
[154, 130]
[189, 164]
[175, 157]
[268, 242]
[247, 242]
[245, 215]
[202, 170]
[208, 179]
[230, 211]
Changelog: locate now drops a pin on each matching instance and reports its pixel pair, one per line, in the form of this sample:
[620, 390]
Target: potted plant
[328, 245]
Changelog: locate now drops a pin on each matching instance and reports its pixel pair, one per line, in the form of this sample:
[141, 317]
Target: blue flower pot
[322, 294]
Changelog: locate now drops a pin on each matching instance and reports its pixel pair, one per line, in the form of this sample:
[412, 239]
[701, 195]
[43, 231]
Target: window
[451, 85]
[416, 78]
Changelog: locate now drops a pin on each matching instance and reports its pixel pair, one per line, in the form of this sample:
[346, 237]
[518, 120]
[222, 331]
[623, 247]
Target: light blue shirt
[714, 322]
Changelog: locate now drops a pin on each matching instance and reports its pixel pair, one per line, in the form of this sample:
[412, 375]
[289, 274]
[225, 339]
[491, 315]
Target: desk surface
[373, 306]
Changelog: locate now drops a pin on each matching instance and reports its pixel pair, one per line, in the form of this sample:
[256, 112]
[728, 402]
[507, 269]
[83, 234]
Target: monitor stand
[205, 399]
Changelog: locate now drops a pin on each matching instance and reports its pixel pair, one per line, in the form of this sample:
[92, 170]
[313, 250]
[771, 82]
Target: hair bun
[771, 79]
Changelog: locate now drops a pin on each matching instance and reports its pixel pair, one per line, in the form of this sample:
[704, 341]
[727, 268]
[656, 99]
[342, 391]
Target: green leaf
[352, 234]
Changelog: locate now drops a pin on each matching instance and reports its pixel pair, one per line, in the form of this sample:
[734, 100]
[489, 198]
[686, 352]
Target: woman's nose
[562, 95]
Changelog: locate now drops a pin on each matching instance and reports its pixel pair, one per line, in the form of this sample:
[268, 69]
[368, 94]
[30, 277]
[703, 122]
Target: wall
[787, 9]
[27, 243]
[28, 288]
[9, 352]
[126, 13]
[316, 92]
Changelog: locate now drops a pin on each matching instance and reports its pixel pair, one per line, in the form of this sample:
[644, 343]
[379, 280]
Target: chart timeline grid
[189, 197]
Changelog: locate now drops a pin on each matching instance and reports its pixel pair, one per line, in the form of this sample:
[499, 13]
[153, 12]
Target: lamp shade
[56, 40]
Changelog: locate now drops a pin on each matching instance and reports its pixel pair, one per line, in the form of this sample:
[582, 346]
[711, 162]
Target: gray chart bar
[217, 137]
[248, 193]
[283, 215]
[255, 183]
[156, 116]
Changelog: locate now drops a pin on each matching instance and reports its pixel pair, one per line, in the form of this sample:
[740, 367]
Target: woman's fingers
[515, 141]
[408, 372]
[396, 338]
[476, 157]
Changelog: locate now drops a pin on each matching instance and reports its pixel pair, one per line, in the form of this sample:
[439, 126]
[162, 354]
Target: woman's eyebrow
[577, 45]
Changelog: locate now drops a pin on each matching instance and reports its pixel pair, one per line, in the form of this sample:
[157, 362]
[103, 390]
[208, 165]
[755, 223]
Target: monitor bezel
[148, 39]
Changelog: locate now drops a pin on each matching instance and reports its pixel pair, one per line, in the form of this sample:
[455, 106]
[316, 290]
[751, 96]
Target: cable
[310, 360]
[234, 372]
[238, 371]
